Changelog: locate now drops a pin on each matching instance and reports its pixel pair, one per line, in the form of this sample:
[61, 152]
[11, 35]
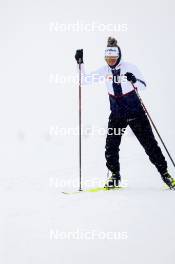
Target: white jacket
[105, 74]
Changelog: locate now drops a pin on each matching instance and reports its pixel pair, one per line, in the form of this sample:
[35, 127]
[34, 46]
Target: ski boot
[113, 181]
[170, 181]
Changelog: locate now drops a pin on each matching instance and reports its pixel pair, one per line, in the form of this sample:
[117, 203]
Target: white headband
[112, 52]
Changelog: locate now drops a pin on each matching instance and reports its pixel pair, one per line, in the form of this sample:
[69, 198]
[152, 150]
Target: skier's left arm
[135, 76]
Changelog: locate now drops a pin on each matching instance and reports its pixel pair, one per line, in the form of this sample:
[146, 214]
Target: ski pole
[80, 188]
[146, 111]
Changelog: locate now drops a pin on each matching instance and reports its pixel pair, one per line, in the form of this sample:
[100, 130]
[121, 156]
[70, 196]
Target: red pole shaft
[146, 111]
[80, 187]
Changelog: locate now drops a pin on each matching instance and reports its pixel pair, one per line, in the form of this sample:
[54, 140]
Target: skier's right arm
[93, 77]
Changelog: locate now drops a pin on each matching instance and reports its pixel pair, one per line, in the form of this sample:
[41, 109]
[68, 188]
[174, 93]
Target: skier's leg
[113, 140]
[143, 131]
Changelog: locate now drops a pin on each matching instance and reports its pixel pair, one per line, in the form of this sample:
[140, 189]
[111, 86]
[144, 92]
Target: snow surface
[35, 164]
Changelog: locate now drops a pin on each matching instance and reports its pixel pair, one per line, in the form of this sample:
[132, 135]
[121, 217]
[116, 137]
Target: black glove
[131, 77]
[79, 56]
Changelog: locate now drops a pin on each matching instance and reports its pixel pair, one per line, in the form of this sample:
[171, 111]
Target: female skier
[122, 80]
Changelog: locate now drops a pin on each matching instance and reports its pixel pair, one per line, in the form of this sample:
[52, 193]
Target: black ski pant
[141, 127]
